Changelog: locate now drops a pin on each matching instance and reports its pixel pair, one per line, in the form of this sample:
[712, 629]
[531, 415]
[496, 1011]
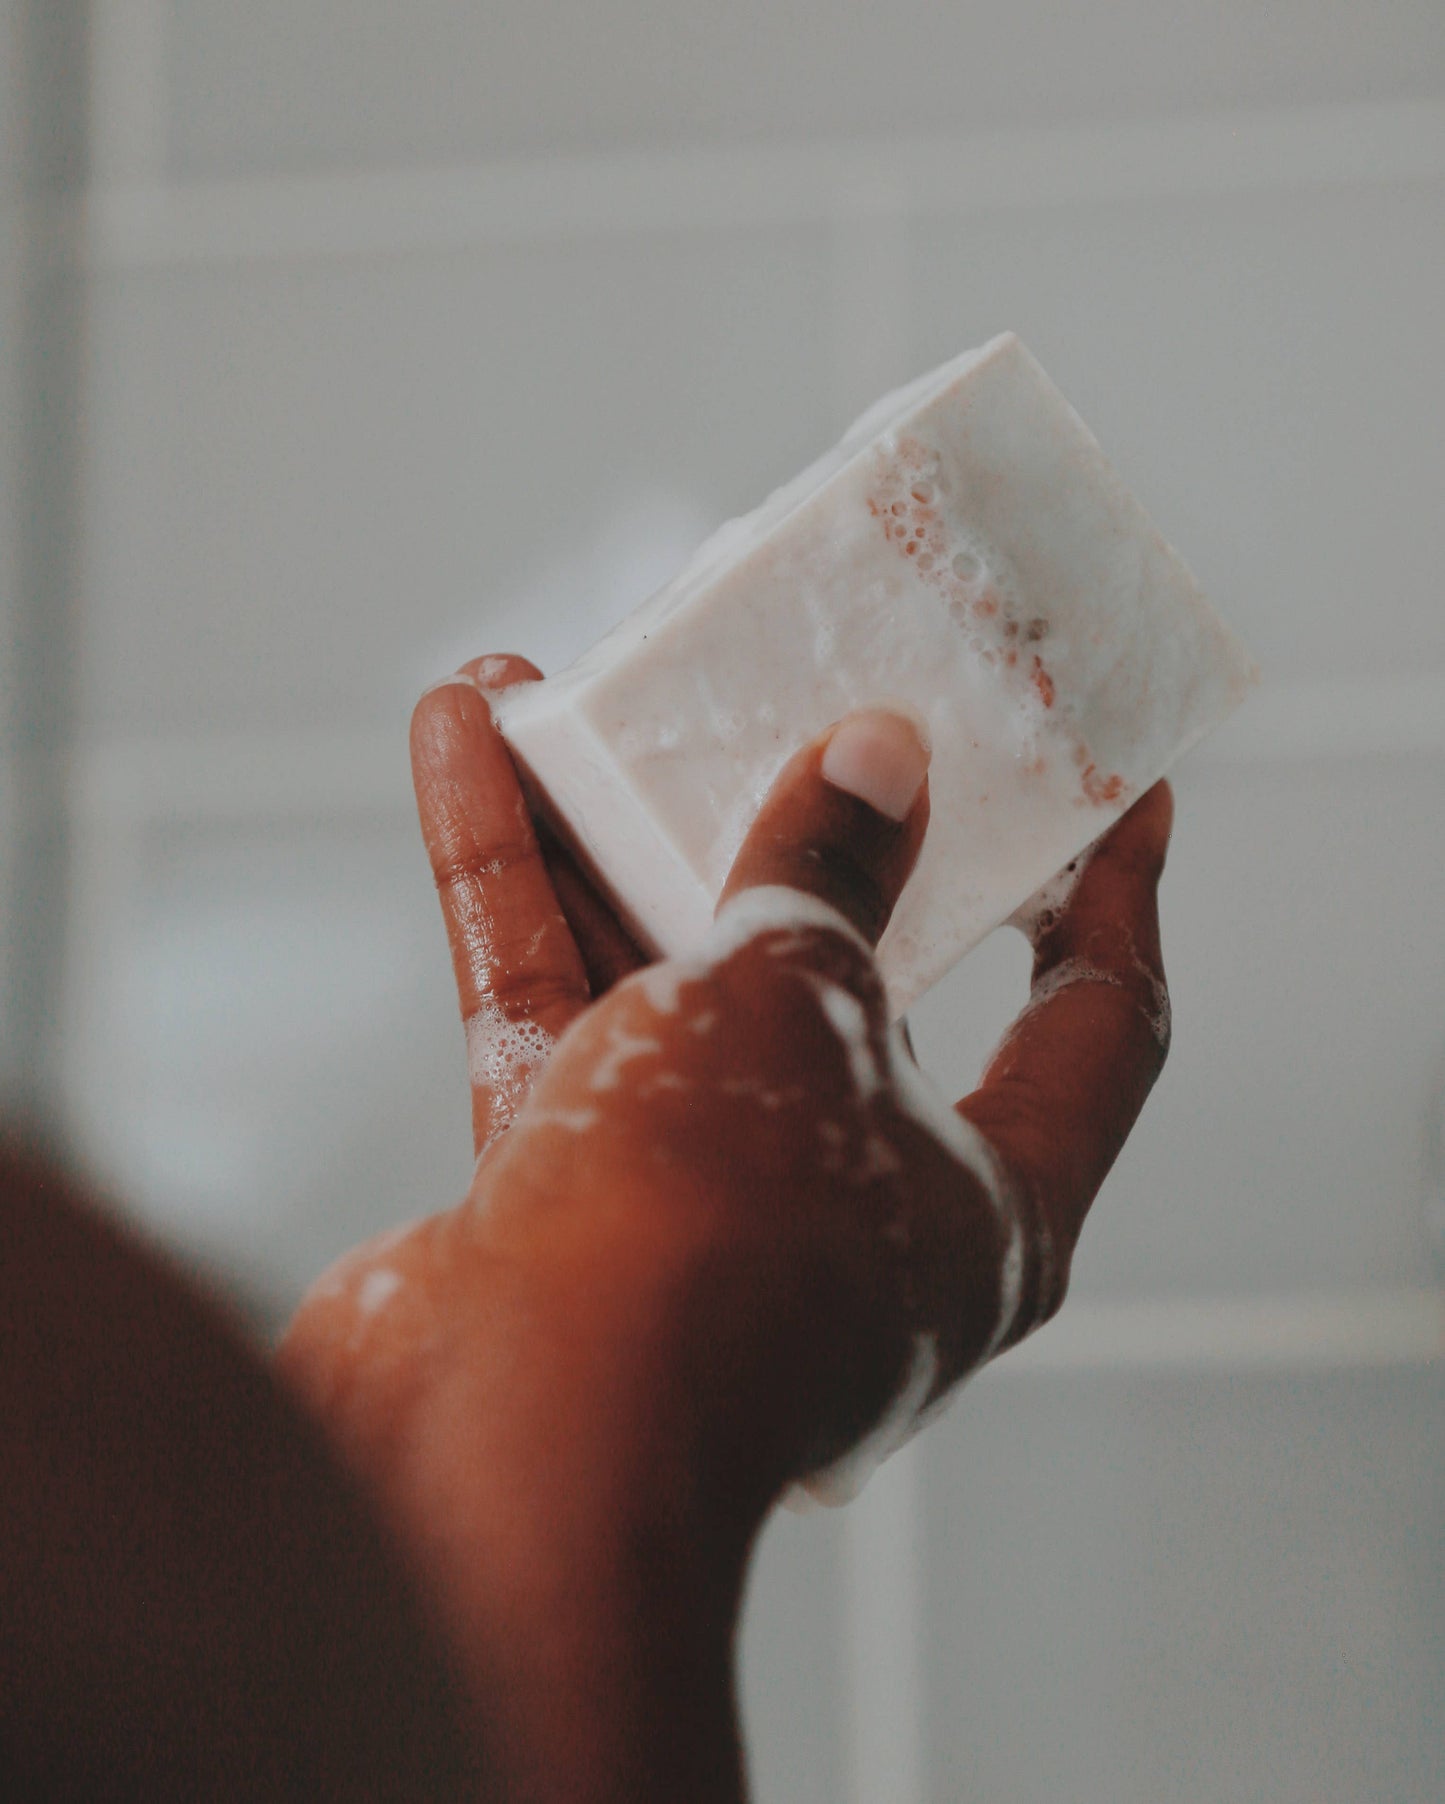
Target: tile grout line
[142, 220]
[1290, 1333]
[883, 1665]
[881, 1671]
[256, 773]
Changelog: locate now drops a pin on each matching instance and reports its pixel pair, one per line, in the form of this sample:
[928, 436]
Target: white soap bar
[966, 551]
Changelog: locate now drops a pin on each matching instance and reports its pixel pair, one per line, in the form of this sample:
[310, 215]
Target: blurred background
[343, 339]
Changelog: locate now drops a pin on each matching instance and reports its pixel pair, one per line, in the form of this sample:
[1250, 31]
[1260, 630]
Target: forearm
[605, 1699]
[548, 1497]
[598, 1643]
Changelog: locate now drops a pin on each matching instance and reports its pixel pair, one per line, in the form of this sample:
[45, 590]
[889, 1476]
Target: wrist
[539, 1462]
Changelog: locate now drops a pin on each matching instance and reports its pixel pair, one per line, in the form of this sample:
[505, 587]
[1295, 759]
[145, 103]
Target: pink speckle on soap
[904, 503]
[1102, 789]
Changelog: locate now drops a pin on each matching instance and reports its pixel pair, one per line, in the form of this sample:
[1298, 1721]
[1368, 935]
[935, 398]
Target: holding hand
[721, 1230]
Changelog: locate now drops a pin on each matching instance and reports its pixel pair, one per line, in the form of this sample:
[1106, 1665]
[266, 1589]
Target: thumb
[844, 820]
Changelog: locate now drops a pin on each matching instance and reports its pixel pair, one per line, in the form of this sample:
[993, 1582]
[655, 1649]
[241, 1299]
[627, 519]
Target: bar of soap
[965, 551]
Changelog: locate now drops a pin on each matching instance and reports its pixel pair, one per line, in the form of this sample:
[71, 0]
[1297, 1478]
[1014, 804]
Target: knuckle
[527, 985]
[460, 868]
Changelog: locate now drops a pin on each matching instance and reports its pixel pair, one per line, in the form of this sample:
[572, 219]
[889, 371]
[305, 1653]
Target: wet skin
[703, 1242]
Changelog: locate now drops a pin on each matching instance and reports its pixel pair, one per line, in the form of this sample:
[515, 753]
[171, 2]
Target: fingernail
[879, 756]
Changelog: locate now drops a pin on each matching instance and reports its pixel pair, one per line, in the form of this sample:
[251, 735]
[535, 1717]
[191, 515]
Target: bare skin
[194, 1602]
[700, 1251]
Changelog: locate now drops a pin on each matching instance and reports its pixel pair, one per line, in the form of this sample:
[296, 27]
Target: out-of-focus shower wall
[416, 331]
[43, 150]
[11, 292]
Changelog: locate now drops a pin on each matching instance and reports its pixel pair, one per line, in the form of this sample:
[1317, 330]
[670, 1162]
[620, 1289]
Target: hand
[728, 1228]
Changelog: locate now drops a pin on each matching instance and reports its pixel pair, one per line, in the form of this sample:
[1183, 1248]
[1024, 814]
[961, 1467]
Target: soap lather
[967, 553]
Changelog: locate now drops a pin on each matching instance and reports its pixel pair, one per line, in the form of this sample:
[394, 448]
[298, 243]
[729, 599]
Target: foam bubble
[849, 1020]
[983, 579]
[622, 1048]
[1010, 1288]
[928, 1106]
[503, 1054]
[1063, 976]
[1035, 917]
[974, 579]
[880, 1160]
[1161, 1021]
[1071, 971]
[376, 1288]
[767, 908]
[921, 1099]
[1161, 1016]
[763, 1094]
[570, 1121]
[665, 1080]
[662, 984]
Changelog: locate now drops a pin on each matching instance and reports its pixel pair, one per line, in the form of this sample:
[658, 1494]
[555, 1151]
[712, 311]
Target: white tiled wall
[11, 303]
[1190, 1589]
[1284, 1148]
[341, 473]
[1265, 370]
[283, 85]
[793, 1703]
[365, 395]
[268, 1049]
[42, 146]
